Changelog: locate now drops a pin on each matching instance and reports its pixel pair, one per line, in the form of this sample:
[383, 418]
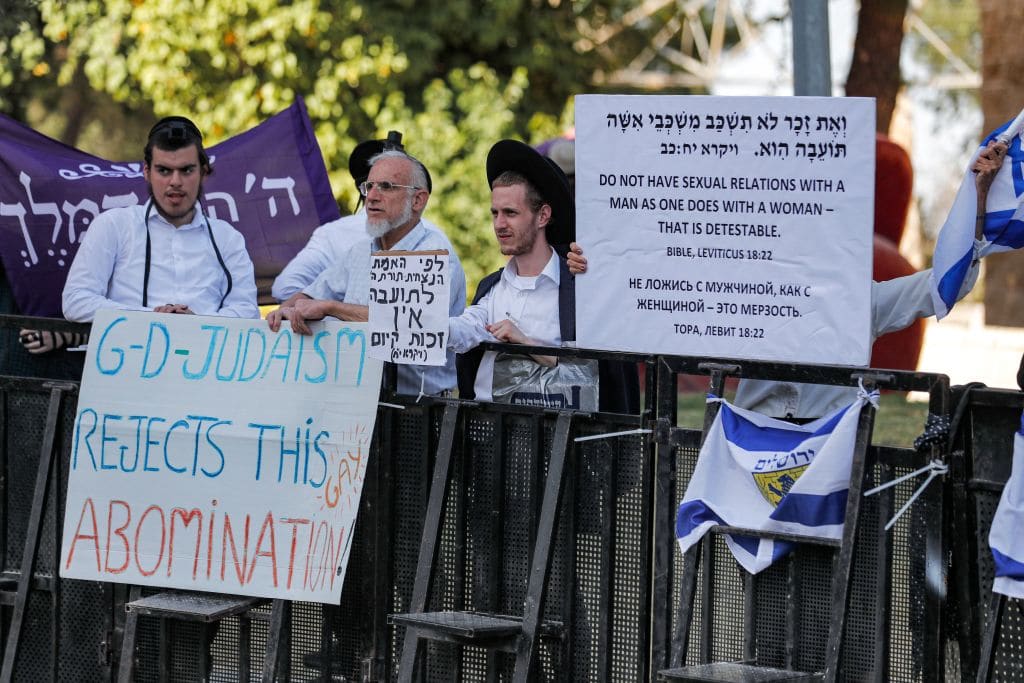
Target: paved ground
[967, 350]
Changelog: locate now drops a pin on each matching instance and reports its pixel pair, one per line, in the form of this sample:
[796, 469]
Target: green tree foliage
[453, 75]
[21, 52]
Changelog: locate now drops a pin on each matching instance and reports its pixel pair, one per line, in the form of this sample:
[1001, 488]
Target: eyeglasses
[383, 186]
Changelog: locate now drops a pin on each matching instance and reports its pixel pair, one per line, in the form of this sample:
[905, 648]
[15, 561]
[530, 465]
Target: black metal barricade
[613, 594]
[989, 648]
[598, 591]
[59, 630]
[891, 629]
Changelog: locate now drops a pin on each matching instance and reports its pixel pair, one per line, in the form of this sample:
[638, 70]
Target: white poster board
[732, 227]
[213, 454]
[408, 314]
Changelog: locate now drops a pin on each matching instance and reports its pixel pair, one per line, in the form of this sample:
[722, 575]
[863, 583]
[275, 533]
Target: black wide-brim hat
[359, 160]
[546, 176]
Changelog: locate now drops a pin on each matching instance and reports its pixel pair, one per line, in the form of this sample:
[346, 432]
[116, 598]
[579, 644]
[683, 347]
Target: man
[165, 256]
[895, 304]
[330, 242]
[396, 193]
[532, 299]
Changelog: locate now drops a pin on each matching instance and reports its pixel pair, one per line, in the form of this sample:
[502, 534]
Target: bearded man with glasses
[396, 193]
[331, 241]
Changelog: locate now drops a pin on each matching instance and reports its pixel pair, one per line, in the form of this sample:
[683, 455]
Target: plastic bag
[520, 380]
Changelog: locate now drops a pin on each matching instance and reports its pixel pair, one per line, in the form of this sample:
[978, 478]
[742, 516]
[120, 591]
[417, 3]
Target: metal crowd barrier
[612, 604]
[989, 646]
[891, 622]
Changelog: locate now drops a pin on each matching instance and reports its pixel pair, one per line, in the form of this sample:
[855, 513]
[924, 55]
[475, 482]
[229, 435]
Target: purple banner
[269, 182]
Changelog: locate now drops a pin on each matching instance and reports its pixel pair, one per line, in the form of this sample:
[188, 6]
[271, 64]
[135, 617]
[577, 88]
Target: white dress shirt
[530, 303]
[110, 265]
[327, 246]
[349, 281]
[895, 305]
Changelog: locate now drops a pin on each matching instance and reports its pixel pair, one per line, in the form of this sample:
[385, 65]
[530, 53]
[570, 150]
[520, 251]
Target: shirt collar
[551, 270]
[158, 218]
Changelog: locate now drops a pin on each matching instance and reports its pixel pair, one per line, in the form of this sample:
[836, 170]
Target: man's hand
[507, 331]
[295, 314]
[985, 168]
[44, 341]
[576, 260]
[275, 317]
[174, 308]
[313, 309]
[987, 165]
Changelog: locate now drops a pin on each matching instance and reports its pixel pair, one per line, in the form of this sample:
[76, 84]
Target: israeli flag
[1005, 537]
[760, 473]
[1004, 221]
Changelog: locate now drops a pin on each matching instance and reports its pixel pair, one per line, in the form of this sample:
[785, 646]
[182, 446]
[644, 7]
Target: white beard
[376, 228]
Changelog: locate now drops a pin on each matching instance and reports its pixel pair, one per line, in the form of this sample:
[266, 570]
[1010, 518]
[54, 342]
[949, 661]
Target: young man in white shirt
[532, 299]
[165, 256]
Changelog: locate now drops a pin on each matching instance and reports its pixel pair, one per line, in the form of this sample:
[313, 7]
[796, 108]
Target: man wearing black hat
[396, 193]
[165, 256]
[532, 299]
[331, 241]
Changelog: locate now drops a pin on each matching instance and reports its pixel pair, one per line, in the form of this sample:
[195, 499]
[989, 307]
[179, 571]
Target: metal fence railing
[917, 597]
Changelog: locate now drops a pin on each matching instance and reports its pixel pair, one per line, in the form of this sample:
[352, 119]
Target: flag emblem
[775, 485]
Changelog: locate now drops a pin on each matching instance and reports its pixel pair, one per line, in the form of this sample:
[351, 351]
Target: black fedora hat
[545, 175]
[359, 159]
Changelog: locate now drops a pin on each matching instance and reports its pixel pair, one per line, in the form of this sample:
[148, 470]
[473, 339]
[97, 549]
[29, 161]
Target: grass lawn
[897, 423]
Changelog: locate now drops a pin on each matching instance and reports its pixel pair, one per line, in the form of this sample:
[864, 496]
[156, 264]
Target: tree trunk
[77, 105]
[1002, 98]
[875, 67]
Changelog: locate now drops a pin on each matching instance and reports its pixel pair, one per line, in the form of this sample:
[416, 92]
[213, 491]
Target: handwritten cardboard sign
[408, 316]
[736, 227]
[212, 454]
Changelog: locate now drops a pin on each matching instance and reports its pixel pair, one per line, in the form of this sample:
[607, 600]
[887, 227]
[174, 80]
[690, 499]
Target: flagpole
[1013, 130]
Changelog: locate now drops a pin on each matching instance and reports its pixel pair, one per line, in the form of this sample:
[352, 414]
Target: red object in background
[894, 179]
[896, 350]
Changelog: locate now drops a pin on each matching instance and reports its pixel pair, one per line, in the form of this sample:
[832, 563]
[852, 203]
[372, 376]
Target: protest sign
[408, 315]
[213, 454]
[732, 227]
[269, 183]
